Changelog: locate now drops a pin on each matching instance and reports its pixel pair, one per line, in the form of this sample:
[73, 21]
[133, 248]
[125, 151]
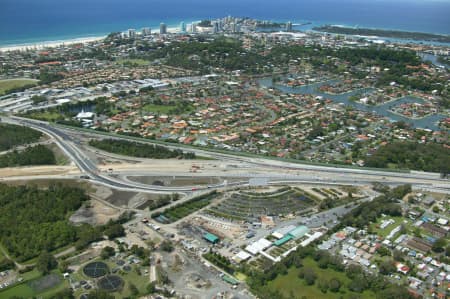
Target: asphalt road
[272, 170]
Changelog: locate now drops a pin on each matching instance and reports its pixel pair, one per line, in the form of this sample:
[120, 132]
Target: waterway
[429, 122]
[433, 59]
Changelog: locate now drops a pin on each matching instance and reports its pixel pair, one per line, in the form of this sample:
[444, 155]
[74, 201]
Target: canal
[428, 122]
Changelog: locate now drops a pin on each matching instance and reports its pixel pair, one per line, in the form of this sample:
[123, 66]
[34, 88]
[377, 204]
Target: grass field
[6, 85]
[46, 116]
[133, 62]
[291, 284]
[61, 158]
[139, 281]
[240, 276]
[384, 232]
[24, 290]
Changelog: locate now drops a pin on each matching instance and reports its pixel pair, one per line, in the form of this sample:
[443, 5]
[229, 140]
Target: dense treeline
[35, 155]
[6, 264]
[13, 135]
[141, 150]
[34, 220]
[221, 52]
[220, 261]
[47, 76]
[87, 234]
[411, 155]
[383, 57]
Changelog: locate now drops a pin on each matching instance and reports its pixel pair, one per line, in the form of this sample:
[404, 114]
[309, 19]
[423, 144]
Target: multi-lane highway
[274, 171]
[71, 148]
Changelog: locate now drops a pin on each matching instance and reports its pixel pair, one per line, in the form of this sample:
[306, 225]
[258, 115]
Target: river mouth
[427, 122]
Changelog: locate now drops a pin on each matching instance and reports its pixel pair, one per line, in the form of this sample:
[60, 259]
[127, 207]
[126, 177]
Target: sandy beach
[57, 43]
[50, 44]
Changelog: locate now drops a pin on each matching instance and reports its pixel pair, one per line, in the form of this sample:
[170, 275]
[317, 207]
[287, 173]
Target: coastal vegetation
[140, 150]
[14, 135]
[411, 155]
[33, 220]
[35, 155]
[385, 33]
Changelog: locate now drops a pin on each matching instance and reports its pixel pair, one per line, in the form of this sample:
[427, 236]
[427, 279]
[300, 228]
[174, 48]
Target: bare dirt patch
[95, 213]
[120, 198]
[37, 170]
[143, 200]
[174, 181]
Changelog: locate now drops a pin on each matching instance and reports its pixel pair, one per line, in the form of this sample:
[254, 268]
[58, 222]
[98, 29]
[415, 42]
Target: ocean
[34, 21]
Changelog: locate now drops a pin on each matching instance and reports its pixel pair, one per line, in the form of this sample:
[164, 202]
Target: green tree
[308, 275]
[353, 270]
[38, 99]
[100, 294]
[398, 256]
[384, 251]
[46, 262]
[387, 267]
[166, 245]
[133, 289]
[394, 292]
[334, 285]
[114, 231]
[322, 284]
[439, 245]
[151, 288]
[107, 252]
[63, 266]
[358, 284]
[64, 294]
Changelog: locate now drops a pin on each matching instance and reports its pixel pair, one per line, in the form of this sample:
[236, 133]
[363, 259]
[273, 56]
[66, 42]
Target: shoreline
[56, 43]
[50, 44]
[172, 28]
